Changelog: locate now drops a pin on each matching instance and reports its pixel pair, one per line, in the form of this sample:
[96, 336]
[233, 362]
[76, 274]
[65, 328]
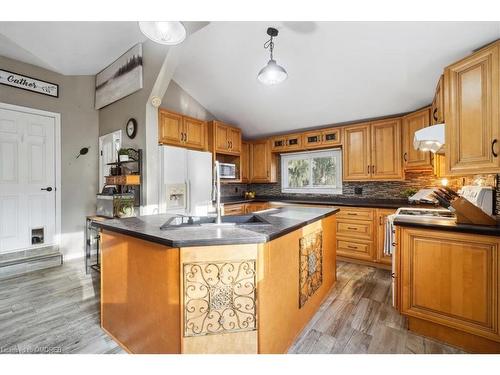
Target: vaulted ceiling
[338, 71]
[69, 48]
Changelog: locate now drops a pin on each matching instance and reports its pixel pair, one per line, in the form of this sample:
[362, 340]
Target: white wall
[79, 128]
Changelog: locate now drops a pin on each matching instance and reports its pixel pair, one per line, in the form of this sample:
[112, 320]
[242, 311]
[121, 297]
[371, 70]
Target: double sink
[197, 221]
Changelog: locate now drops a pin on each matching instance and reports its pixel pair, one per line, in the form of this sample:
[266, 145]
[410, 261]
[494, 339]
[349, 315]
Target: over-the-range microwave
[227, 170]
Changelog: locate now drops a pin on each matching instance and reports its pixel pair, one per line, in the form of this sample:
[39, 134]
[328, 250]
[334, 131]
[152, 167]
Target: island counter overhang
[246, 289]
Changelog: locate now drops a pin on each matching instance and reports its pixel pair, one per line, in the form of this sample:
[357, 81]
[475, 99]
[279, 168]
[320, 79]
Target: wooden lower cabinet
[451, 280]
[234, 209]
[256, 206]
[360, 235]
[244, 208]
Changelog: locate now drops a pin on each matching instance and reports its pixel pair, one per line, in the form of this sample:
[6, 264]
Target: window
[318, 172]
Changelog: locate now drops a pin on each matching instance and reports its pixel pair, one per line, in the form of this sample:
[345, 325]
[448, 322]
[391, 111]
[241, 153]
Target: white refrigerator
[186, 181]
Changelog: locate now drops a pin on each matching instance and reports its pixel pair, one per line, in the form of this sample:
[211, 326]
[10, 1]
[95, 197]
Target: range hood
[430, 138]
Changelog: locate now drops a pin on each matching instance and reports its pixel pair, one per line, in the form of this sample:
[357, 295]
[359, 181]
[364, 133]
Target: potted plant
[123, 155]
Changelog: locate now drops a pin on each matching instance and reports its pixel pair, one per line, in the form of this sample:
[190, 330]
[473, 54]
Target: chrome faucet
[216, 192]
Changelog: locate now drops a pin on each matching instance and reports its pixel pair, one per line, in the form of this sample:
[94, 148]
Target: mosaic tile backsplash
[373, 190]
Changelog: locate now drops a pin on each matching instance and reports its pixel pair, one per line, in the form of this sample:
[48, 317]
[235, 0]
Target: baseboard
[14, 265]
[463, 340]
[364, 262]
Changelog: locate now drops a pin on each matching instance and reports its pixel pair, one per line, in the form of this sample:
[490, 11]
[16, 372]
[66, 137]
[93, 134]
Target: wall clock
[131, 128]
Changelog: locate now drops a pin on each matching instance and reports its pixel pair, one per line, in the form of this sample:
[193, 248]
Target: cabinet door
[256, 206]
[262, 168]
[386, 150]
[472, 113]
[221, 137]
[356, 153]
[355, 249]
[194, 133]
[293, 142]
[413, 159]
[245, 162]
[278, 143]
[234, 209]
[451, 278]
[234, 138]
[381, 224]
[170, 128]
[312, 139]
[331, 137]
[437, 109]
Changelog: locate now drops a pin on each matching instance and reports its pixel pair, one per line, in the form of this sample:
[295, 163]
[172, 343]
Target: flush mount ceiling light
[164, 32]
[272, 73]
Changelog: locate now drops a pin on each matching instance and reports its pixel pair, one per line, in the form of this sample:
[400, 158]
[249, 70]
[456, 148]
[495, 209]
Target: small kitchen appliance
[227, 170]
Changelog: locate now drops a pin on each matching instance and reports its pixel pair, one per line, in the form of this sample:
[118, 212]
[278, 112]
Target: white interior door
[27, 180]
[109, 145]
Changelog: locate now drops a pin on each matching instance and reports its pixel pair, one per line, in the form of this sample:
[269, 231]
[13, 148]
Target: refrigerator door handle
[188, 196]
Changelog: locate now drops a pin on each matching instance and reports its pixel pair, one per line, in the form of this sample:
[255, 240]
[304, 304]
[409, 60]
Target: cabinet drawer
[234, 209]
[355, 213]
[252, 207]
[355, 249]
[357, 229]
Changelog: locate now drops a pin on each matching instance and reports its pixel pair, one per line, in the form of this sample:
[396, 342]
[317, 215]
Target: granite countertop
[330, 201]
[448, 225]
[281, 221]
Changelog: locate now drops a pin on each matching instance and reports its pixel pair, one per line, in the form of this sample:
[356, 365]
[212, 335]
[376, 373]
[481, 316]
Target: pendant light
[164, 32]
[272, 73]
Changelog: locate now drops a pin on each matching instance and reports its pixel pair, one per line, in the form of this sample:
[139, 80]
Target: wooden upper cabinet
[414, 159]
[312, 139]
[178, 130]
[322, 138]
[234, 138]
[356, 153]
[472, 113]
[262, 162]
[221, 135]
[223, 138]
[437, 108]
[386, 150]
[170, 128]
[245, 162]
[195, 133]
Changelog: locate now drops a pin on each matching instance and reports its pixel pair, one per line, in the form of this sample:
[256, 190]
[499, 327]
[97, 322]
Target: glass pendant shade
[272, 73]
[164, 32]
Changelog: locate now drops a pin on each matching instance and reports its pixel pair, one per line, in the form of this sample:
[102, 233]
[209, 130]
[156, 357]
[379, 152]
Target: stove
[425, 213]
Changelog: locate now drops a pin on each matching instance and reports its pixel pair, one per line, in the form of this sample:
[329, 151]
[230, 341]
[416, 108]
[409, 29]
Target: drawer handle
[434, 114]
[352, 213]
[493, 148]
[405, 157]
[352, 247]
[352, 228]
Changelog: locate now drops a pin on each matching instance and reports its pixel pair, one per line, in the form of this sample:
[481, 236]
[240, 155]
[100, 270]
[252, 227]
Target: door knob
[47, 188]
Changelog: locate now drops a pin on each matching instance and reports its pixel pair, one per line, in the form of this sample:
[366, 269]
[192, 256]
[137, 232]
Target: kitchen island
[204, 288]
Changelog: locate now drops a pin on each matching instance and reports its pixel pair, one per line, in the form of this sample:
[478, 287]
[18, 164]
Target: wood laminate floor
[57, 311]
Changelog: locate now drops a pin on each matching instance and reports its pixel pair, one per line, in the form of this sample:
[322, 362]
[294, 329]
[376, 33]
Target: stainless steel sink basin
[197, 221]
